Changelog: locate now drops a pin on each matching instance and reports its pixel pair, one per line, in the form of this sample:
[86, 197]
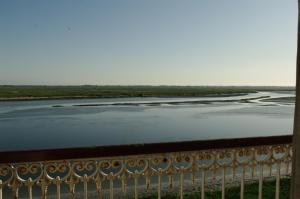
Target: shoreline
[34, 93]
[9, 99]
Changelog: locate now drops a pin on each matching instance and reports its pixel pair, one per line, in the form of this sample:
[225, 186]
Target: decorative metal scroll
[118, 177]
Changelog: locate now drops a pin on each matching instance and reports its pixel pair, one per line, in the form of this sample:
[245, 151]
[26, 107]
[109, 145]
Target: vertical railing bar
[125, 187]
[44, 189]
[15, 189]
[270, 169]
[111, 186]
[16, 193]
[193, 175]
[123, 184]
[58, 190]
[287, 164]
[72, 189]
[58, 182]
[193, 179]
[147, 182]
[181, 183]
[170, 182]
[1, 185]
[136, 186]
[15, 185]
[85, 186]
[277, 180]
[243, 182]
[30, 191]
[252, 167]
[223, 181]
[261, 176]
[29, 184]
[159, 186]
[99, 187]
[202, 184]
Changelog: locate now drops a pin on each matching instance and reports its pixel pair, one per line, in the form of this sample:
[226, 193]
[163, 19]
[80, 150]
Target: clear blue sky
[148, 42]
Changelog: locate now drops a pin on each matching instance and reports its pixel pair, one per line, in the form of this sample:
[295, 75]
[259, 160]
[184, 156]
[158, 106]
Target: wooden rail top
[137, 149]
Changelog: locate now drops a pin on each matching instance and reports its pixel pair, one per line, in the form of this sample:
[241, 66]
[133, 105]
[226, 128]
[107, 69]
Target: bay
[95, 122]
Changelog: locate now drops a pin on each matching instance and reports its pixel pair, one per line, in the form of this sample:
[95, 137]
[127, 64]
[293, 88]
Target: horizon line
[203, 85]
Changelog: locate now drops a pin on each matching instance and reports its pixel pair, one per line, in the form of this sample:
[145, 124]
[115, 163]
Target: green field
[57, 92]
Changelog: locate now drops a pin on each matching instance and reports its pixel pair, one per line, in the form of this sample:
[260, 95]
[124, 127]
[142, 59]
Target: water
[40, 125]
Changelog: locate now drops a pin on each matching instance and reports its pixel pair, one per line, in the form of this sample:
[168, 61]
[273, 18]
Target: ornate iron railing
[131, 171]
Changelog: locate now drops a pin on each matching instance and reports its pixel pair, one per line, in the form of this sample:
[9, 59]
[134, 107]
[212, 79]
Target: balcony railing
[135, 171]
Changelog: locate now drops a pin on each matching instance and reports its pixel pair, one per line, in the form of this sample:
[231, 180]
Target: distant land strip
[16, 93]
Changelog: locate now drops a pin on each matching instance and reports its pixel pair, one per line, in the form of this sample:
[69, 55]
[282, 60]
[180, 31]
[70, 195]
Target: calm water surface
[37, 124]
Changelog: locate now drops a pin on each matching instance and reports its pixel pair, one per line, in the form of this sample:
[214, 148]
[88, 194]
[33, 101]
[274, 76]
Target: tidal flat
[64, 123]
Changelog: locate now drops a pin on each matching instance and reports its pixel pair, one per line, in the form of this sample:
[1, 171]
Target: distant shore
[107, 97]
[29, 93]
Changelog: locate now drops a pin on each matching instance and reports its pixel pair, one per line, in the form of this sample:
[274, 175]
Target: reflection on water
[39, 124]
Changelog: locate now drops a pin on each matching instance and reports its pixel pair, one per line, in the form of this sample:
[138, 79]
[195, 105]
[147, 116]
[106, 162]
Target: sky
[148, 42]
